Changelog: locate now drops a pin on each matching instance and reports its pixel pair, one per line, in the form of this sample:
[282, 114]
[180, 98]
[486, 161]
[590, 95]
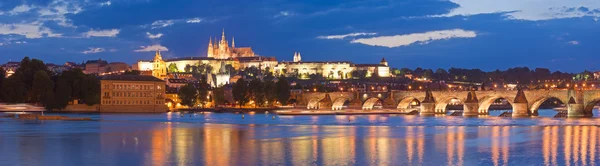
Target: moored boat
[20, 108]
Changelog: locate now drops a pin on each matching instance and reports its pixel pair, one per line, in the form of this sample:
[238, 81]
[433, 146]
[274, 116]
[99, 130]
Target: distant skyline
[487, 34]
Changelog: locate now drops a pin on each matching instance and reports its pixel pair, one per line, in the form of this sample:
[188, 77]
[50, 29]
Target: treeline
[262, 93]
[265, 92]
[511, 75]
[33, 83]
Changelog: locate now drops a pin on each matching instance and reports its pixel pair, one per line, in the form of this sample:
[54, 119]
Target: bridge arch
[407, 102]
[535, 106]
[487, 101]
[589, 107]
[339, 103]
[312, 104]
[442, 103]
[371, 102]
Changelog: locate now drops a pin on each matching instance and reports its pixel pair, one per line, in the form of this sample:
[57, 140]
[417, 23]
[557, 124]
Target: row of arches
[442, 105]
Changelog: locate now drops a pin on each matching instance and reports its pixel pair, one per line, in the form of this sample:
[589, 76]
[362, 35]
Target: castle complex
[221, 49]
[220, 54]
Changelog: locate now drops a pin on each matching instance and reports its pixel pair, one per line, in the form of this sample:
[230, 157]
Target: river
[268, 139]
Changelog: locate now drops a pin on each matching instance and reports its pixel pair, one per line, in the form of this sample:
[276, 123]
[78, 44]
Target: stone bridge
[580, 103]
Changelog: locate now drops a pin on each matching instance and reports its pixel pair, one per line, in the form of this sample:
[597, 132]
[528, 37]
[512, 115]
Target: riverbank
[44, 117]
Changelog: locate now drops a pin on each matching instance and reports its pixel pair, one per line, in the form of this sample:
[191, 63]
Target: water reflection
[152, 143]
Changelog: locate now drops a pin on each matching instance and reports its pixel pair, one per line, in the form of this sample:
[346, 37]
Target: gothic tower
[210, 52]
[297, 57]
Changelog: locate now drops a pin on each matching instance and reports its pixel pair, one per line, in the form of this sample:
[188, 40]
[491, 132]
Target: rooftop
[132, 78]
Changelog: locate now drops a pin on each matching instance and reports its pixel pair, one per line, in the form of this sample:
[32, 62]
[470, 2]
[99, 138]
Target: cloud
[102, 33]
[346, 35]
[162, 24]
[107, 3]
[194, 20]
[20, 9]
[573, 42]
[30, 31]
[166, 23]
[526, 9]
[284, 14]
[423, 38]
[154, 36]
[151, 48]
[56, 11]
[92, 50]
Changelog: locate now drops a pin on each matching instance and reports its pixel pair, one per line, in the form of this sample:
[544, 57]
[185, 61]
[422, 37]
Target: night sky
[488, 34]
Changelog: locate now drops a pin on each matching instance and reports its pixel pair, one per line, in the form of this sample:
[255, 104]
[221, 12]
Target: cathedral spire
[233, 42]
[157, 55]
[223, 34]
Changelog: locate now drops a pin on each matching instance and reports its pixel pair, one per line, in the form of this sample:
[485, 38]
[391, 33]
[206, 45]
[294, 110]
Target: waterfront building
[132, 93]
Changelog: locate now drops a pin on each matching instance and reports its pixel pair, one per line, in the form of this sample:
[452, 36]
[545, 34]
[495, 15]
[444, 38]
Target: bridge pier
[575, 110]
[427, 109]
[471, 105]
[520, 110]
[520, 105]
[428, 105]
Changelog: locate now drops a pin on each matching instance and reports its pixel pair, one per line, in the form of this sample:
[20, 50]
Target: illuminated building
[330, 69]
[218, 54]
[221, 49]
[132, 93]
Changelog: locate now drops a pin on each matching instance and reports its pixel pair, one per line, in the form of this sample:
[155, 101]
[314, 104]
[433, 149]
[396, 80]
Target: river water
[267, 139]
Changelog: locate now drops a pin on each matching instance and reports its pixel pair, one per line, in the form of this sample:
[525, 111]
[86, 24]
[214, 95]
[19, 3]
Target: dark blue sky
[487, 34]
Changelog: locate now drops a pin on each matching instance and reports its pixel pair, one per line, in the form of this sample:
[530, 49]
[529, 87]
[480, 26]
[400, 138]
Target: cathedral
[221, 49]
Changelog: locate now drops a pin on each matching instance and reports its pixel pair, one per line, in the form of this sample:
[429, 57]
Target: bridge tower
[471, 106]
[575, 106]
[428, 104]
[520, 106]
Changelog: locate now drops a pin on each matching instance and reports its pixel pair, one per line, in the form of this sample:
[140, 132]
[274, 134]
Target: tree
[204, 69]
[231, 69]
[61, 95]
[256, 92]
[188, 68]
[283, 90]
[13, 89]
[428, 74]
[188, 95]
[90, 90]
[74, 78]
[172, 68]
[28, 68]
[359, 74]
[202, 89]
[41, 91]
[239, 91]
[219, 95]
[270, 90]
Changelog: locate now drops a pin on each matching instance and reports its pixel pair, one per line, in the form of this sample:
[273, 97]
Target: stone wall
[134, 108]
[81, 108]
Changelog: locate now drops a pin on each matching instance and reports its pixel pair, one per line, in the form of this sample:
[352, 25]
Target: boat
[20, 108]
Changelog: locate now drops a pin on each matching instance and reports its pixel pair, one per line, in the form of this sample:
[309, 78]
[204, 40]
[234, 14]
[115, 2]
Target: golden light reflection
[500, 144]
[455, 138]
[252, 145]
